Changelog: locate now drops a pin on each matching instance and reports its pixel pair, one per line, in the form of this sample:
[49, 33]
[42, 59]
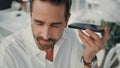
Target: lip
[44, 42]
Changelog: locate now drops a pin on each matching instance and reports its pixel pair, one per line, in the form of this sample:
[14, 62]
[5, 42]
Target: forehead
[48, 10]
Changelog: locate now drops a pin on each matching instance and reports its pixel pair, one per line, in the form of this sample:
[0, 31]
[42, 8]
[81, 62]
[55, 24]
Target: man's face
[48, 23]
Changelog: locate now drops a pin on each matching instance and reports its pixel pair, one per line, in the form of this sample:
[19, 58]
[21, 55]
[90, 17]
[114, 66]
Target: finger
[86, 40]
[93, 35]
[81, 37]
[94, 44]
[106, 34]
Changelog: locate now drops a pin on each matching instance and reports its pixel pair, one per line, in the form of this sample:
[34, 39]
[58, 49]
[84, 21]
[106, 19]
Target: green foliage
[114, 34]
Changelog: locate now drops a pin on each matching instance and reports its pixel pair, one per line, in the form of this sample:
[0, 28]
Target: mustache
[50, 39]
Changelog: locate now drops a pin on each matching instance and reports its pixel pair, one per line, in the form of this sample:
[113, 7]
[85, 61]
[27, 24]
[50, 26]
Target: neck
[50, 54]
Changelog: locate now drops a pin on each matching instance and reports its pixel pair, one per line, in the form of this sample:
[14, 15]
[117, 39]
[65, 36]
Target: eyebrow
[55, 23]
[38, 21]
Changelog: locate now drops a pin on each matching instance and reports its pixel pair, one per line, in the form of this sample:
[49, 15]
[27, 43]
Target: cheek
[35, 30]
[57, 33]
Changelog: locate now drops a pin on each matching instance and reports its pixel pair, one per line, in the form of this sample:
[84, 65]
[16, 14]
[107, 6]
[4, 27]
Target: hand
[93, 43]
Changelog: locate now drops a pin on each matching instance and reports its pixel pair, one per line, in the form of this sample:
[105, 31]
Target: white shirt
[20, 51]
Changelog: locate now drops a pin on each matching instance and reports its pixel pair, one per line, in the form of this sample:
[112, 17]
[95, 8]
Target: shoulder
[10, 45]
[72, 36]
[70, 32]
[7, 41]
[11, 39]
[11, 42]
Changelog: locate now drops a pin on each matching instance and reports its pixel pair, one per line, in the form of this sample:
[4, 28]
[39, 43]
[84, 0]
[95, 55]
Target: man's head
[49, 18]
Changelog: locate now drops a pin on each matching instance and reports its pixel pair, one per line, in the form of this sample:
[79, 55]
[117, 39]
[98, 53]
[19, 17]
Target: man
[47, 43]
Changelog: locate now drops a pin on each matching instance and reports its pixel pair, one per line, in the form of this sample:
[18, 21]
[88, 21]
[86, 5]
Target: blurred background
[14, 16]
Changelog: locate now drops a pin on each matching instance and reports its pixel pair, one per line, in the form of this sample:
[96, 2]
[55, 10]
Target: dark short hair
[57, 2]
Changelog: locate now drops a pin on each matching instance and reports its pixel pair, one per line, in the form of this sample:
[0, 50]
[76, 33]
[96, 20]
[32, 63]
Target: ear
[66, 21]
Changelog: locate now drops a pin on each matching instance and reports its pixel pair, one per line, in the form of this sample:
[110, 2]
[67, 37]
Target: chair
[109, 59]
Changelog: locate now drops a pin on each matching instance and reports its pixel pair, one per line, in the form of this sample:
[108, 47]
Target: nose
[46, 33]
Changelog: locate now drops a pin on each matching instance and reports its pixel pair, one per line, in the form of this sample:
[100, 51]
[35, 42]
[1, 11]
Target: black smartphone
[83, 26]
